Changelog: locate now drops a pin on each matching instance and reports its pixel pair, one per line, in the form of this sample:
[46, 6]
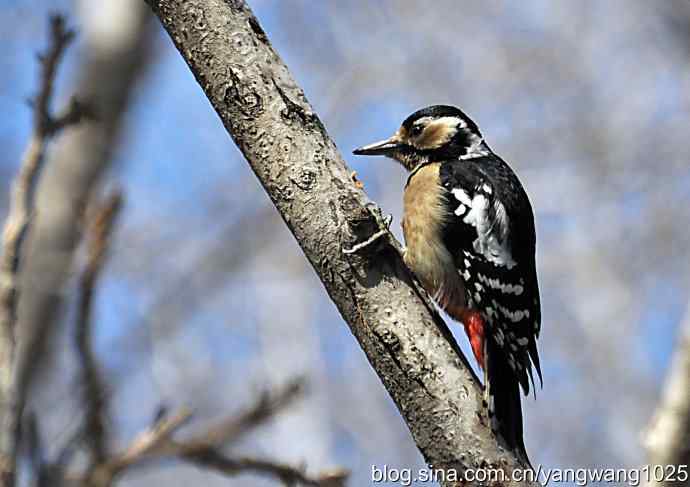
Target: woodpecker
[470, 240]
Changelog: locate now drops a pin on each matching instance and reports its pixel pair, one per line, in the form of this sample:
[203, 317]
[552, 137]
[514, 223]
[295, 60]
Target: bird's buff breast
[425, 254]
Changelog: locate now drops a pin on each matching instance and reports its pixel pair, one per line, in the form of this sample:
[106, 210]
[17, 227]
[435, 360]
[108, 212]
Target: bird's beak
[380, 148]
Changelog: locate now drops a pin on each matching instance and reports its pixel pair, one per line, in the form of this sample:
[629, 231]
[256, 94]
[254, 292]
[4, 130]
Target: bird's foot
[362, 245]
[381, 222]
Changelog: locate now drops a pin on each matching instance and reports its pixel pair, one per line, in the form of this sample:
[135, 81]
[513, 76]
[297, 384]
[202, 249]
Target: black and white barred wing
[496, 265]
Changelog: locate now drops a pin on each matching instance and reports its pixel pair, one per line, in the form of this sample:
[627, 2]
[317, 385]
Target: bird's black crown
[438, 111]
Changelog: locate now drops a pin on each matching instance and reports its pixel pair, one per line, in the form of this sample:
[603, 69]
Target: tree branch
[288, 474]
[46, 125]
[233, 428]
[156, 442]
[668, 436]
[145, 446]
[298, 165]
[105, 77]
[148, 443]
[203, 448]
[94, 393]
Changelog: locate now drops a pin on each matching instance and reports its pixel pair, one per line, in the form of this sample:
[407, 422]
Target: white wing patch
[492, 234]
[462, 196]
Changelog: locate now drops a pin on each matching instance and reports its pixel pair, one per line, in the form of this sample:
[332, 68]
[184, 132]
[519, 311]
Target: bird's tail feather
[505, 408]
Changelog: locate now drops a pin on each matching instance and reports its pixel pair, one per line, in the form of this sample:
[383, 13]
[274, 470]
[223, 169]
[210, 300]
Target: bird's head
[434, 133]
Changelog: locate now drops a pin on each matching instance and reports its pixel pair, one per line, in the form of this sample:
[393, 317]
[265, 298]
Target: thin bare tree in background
[94, 223]
[39, 272]
[46, 126]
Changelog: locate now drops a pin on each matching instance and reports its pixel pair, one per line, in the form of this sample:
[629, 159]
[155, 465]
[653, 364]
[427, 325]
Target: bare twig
[157, 443]
[143, 447]
[111, 63]
[203, 449]
[288, 474]
[15, 229]
[148, 443]
[357, 247]
[45, 124]
[60, 38]
[97, 238]
[232, 429]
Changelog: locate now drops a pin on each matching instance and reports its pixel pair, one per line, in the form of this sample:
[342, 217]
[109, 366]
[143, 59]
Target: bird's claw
[362, 245]
[383, 224]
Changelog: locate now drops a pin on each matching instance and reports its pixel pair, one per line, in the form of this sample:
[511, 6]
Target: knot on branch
[294, 112]
[241, 96]
[305, 179]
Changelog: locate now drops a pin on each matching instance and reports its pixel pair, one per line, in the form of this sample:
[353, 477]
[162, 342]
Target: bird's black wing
[490, 230]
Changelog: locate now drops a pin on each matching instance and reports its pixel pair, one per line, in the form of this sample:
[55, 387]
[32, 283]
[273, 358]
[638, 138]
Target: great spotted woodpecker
[470, 239]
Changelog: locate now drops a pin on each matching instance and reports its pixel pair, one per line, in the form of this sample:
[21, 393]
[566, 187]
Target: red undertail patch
[474, 327]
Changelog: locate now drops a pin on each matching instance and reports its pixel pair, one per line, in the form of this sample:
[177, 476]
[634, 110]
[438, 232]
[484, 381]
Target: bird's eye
[417, 130]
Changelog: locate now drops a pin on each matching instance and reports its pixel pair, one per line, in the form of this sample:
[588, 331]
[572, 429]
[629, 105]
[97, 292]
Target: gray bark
[286, 145]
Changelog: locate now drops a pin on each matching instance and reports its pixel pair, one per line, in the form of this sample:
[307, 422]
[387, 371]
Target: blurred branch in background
[115, 56]
[54, 198]
[668, 436]
[46, 125]
[62, 220]
[204, 449]
[287, 474]
[186, 290]
[156, 443]
[94, 390]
